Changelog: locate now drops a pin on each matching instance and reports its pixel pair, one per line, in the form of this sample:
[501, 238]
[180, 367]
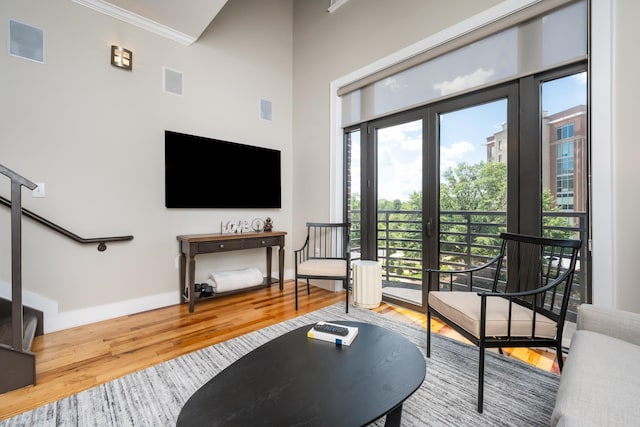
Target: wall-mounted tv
[211, 173]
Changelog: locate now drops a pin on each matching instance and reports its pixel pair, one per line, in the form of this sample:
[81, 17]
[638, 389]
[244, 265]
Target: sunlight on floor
[540, 358]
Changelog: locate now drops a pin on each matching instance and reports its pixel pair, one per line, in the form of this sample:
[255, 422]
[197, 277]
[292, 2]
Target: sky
[463, 136]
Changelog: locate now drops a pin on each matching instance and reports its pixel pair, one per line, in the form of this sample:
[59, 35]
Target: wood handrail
[101, 241]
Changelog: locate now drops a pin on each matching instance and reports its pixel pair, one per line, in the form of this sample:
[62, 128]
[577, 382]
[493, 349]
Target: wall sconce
[121, 58]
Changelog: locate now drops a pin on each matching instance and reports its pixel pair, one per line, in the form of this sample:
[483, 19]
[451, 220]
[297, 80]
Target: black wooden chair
[324, 255]
[519, 298]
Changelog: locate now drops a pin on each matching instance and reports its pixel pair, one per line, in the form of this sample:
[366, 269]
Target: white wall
[95, 135]
[626, 93]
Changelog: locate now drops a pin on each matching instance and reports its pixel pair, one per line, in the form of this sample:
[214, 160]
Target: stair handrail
[101, 241]
[17, 182]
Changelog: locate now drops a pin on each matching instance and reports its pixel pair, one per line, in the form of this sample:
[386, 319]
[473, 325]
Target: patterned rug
[516, 394]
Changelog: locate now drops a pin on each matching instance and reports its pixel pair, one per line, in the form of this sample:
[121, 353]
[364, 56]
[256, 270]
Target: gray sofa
[600, 382]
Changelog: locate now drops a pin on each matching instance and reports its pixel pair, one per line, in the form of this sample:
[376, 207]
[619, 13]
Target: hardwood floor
[76, 359]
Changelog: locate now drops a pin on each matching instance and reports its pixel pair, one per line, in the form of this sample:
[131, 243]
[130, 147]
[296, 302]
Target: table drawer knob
[221, 245]
[263, 242]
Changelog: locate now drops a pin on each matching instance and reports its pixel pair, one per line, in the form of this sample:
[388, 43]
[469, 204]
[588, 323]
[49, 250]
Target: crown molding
[335, 5]
[138, 21]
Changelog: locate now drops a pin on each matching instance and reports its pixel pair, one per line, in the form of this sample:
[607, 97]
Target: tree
[477, 187]
[477, 190]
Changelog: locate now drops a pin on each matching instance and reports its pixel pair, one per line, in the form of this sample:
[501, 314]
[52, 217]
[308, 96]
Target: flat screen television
[210, 173]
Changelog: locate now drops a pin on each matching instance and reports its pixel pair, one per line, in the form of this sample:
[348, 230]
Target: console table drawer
[225, 245]
[262, 243]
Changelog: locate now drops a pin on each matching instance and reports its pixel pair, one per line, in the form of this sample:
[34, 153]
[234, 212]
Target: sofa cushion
[600, 382]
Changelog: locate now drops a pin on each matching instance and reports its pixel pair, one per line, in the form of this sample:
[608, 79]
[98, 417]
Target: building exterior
[566, 137]
[564, 156]
[497, 146]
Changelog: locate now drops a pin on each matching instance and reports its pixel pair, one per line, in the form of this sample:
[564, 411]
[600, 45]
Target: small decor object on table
[268, 225]
[234, 227]
[230, 227]
[257, 225]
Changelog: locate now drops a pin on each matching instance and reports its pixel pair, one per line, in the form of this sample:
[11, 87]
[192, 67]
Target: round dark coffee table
[295, 380]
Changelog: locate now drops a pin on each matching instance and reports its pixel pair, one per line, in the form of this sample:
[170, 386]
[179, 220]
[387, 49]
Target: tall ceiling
[183, 21]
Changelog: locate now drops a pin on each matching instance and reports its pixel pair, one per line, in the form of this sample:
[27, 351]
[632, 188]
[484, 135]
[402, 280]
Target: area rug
[516, 394]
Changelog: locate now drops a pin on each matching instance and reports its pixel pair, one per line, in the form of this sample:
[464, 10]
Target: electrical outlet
[39, 191]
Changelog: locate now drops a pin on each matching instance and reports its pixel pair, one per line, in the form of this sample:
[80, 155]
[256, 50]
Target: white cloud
[399, 164]
[580, 78]
[398, 134]
[397, 180]
[451, 156]
[477, 78]
[412, 144]
[400, 160]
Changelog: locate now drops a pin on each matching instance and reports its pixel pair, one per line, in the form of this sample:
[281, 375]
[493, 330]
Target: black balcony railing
[466, 239]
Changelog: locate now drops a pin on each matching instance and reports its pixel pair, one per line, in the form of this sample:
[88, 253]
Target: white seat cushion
[463, 308]
[323, 267]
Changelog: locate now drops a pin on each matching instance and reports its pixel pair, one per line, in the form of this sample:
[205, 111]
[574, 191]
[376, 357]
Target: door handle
[429, 225]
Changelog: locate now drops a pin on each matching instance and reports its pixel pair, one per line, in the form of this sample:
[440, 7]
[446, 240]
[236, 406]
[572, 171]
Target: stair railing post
[16, 265]
[17, 181]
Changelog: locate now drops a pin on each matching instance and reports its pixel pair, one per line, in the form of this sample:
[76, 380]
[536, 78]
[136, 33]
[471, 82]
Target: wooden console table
[194, 244]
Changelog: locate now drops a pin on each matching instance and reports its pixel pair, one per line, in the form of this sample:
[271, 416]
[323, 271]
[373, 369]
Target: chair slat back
[529, 263]
[328, 240]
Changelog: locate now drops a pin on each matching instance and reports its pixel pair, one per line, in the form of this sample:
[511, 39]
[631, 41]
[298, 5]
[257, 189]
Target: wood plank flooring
[76, 359]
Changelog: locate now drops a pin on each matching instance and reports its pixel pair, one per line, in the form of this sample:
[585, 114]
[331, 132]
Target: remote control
[331, 329]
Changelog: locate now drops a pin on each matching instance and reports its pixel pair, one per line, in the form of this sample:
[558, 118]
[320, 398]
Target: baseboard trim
[54, 320]
[84, 316]
[47, 306]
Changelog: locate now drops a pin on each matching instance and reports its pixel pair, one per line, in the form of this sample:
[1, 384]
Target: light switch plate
[39, 191]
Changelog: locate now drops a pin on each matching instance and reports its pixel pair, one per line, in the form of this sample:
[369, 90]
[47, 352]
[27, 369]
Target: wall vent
[26, 41]
[265, 110]
[172, 81]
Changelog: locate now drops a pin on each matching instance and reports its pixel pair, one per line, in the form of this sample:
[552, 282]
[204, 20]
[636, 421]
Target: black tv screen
[211, 173]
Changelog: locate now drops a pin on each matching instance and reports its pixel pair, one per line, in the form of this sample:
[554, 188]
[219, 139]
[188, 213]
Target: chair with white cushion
[519, 298]
[324, 255]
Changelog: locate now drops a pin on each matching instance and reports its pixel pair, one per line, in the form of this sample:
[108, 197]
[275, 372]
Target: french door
[474, 196]
[397, 147]
[434, 187]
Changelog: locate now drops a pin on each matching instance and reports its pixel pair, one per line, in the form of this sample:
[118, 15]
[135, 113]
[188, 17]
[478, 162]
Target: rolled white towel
[230, 280]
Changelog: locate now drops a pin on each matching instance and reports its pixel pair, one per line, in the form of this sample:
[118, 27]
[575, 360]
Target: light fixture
[121, 58]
